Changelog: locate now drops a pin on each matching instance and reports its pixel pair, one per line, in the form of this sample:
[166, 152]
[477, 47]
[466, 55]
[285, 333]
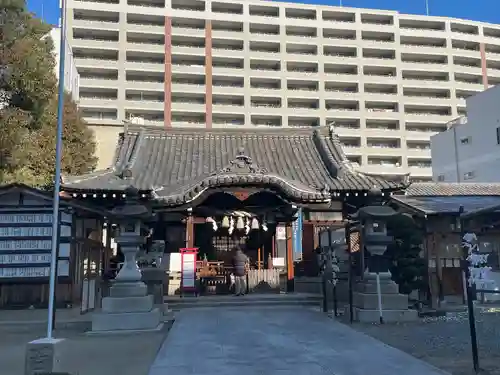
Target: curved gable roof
[178, 163]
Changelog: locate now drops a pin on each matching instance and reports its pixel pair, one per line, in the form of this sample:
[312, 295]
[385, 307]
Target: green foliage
[28, 104]
[408, 267]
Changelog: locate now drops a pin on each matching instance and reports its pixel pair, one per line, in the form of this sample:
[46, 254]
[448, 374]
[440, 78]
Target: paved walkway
[278, 341]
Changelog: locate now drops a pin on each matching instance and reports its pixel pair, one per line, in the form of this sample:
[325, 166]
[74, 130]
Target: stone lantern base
[128, 308]
[394, 305]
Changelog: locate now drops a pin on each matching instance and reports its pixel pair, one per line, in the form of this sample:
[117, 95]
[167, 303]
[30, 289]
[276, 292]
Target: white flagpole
[426, 7]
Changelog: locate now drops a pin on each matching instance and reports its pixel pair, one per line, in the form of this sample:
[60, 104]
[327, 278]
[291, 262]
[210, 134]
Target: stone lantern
[128, 307]
[130, 218]
[374, 235]
[377, 297]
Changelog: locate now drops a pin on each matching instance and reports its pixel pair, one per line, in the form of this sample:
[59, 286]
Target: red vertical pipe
[484, 65]
[208, 74]
[167, 110]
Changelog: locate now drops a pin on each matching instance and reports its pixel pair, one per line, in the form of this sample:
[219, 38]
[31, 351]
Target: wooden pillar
[190, 231]
[427, 256]
[436, 243]
[289, 258]
[315, 236]
[308, 242]
[273, 246]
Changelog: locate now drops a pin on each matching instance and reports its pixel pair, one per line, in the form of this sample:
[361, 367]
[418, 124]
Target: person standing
[240, 266]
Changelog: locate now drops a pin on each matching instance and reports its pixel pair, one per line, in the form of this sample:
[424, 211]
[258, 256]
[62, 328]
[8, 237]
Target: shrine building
[213, 189]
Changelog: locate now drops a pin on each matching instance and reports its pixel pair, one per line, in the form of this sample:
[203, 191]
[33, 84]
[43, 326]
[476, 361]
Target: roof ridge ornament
[407, 179]
[242, 163]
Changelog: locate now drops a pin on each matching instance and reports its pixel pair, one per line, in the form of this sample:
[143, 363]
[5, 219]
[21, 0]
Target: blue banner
[297, 236]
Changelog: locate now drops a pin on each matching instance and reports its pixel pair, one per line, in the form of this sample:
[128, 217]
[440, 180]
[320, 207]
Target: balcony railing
[297, 35]
[424, 62]
[384, 164]
[341, 109]
[145, 79]
[309, 89]
[100, 58]
[94, 78]
[419, 165]
[266, 105]
[97, 97]
[381, 145]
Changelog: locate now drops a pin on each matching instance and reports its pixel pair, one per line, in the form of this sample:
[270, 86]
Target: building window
[469, 175]
[441, 178]
[465, 140]
[498, 136]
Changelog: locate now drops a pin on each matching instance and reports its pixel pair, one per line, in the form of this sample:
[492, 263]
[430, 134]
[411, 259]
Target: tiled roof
[430, 205]
[442, 189]
[178, 164]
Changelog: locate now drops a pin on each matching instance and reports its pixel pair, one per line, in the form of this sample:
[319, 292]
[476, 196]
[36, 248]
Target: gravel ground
[90, 355]
[445, 342]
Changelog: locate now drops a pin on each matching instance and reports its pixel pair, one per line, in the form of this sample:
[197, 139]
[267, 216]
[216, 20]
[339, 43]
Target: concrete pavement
[87, 355]
[248, 341]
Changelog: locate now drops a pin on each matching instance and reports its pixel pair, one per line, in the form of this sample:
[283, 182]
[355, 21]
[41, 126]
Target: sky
[478, 10]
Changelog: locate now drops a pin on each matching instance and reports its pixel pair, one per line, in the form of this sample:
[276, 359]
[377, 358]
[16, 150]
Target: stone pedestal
[46, 356]
[394, 305]
[128, 308]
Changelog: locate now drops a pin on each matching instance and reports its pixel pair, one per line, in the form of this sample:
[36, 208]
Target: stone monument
[46, 356]
[129, 307]
[376, 297]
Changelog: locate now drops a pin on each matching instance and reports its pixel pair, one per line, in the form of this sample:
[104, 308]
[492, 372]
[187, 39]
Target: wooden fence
[264, 280]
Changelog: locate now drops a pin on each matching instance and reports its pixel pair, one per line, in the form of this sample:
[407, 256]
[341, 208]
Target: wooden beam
[325, 222]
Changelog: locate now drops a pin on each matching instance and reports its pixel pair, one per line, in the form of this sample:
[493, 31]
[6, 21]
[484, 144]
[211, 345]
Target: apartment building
[469, 151]
[71, 76]
[386, 81]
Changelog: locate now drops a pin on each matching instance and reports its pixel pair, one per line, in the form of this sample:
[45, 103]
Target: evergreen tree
[408, 267]
[28, 104]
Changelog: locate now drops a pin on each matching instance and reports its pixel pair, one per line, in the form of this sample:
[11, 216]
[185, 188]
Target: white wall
[71, 76]
[470, 152]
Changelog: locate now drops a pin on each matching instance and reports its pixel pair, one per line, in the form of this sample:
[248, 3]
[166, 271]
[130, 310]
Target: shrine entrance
[248, 220]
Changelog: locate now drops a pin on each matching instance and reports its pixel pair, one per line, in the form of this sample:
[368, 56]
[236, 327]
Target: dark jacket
[239, 263]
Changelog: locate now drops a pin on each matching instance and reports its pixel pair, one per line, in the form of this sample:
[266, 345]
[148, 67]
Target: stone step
[127, 321]
[233, 301]
[386, 287]
[389, 301]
